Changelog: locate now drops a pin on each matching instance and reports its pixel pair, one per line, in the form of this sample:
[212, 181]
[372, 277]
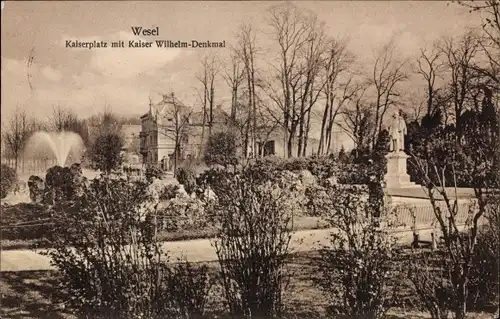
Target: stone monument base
[396, 176]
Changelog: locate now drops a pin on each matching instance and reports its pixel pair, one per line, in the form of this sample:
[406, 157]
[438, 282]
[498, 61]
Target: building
[170, 120]
[273, 142]
[130, 149]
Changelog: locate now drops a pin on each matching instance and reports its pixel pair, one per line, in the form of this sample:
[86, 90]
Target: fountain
[61, 144]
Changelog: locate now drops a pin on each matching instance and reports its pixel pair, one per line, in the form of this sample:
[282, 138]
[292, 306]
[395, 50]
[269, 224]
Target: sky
[124, 79]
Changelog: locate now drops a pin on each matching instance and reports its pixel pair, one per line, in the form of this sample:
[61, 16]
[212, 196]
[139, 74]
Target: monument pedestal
[396, 176]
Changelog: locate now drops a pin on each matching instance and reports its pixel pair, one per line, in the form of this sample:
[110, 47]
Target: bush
[254, 220]
[320, 166]
[105, 152]
[168, 192]
[105, 245]
[357, 264]
[427, 273]
[8, 179]
[431, 272]
[187, 178]
[153, 172]
[484, 283]
[190, 287]
[221, 149]
[183, 213]
[59, 185]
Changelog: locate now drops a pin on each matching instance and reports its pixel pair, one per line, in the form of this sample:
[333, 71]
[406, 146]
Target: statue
[397, 132]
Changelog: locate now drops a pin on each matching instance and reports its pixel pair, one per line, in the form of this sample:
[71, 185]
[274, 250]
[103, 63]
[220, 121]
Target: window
[269, 148]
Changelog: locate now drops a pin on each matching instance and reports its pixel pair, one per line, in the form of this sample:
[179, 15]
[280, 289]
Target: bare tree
[234, 78]
[358, 120]
[337, 63]
[430, 66]
[248, 52]
[16, 133]
[490, 43]
[207, 78]
[388, 73]
[63, 119]
[173, 122]
[291, 30]
[105, 122]
[312, 84]
[463, 83]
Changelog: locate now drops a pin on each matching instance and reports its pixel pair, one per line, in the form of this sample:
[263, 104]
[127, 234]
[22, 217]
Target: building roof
[220, 117]
[163, 107]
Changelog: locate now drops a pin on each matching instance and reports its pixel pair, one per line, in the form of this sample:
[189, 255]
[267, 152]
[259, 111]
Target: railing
[423, 215]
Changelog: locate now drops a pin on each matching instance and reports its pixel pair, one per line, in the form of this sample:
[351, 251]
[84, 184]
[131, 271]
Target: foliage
[187, 178]
[378, 154]
[105, 151]
[169, 191]
[428, 276]
[356, 174]
[254, 219]
[357, 263]
[60, 185]
[153, 172]
[343, 156]
[484, 283]
[460, 155]
[189, 286]
[36, 187]
[420, 134]
[221, 149]
[106, 248]
[184, 213]
[320, 166]
[8, 179]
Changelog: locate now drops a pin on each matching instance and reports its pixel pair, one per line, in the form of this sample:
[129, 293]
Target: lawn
[23, 225]
[29, 294]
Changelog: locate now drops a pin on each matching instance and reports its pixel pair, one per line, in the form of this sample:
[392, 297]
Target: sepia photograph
[250, 159]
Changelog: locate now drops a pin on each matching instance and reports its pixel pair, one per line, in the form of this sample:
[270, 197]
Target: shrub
[221, 149]
[187, 178]
[105, 151]
[427, 274]
[357, 264]
[105, 245]
[59, 184]
[254, 220]
[168, 192]
[484, 282]
[184, 213]
[189, 285]
[8, 179]
[36, 187]
[153, 172]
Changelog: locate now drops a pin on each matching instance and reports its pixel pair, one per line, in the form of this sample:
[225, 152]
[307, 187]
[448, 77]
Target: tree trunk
[254, 104]
[301, 132]
[204, 117]
[306, 134]
[211, 110]
[291, 138]
[321, 146]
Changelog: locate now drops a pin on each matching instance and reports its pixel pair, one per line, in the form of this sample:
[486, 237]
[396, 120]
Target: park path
[193, 250]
